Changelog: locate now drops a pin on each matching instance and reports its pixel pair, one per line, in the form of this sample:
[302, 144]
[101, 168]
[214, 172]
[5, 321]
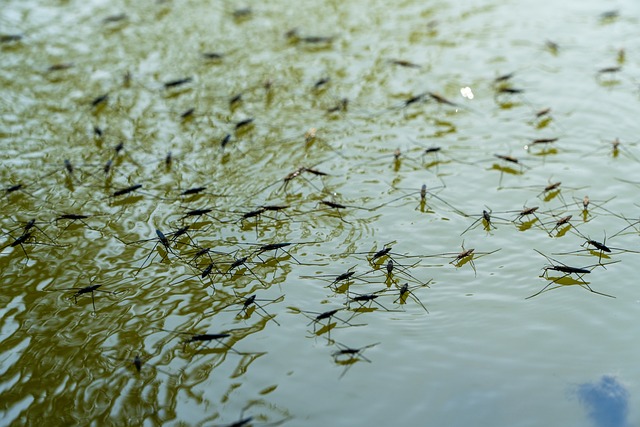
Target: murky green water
[314, 125]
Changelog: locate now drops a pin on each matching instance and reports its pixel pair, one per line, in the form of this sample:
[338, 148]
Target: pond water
[165, 163]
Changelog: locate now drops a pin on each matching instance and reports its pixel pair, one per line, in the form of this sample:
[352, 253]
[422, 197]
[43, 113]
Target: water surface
[338, 112]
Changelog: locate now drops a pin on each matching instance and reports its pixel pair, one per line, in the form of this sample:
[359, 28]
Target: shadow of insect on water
[251, 304]
[596, 248]
[318, 319]
[423, 205]
[565, 279]
[405, 291]
[27, 236]
[138, 364]
[527, 212]
[486, 219]
[506, 167]
[466, 256]
[205, 340]
[339, 283]
[394, 272]
[347, 356]
[247, 421]
[89, 289]
[161, 239]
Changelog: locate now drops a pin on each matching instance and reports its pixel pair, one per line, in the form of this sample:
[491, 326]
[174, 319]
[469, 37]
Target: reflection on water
[606, 402]
[214, 213]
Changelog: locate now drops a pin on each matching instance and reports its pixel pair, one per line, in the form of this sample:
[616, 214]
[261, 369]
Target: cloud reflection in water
[606, 402]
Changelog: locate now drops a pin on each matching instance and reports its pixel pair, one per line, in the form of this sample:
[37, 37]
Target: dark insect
[347, 356]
